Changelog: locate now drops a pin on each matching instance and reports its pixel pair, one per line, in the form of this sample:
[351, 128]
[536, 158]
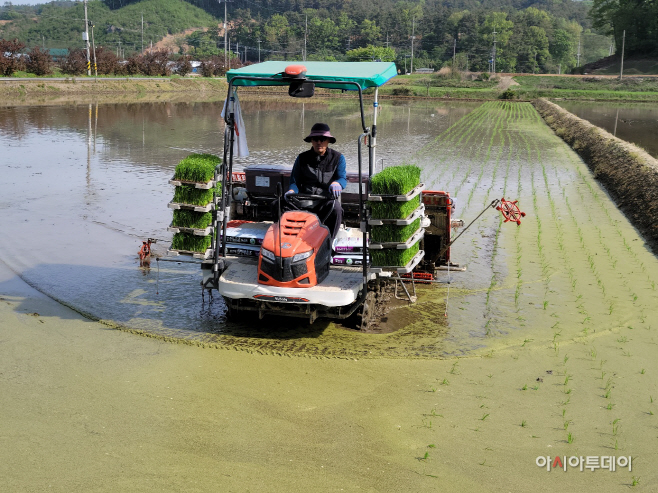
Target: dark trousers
[333, 220]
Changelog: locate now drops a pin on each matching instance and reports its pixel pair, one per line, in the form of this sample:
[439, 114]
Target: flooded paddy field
[547, 349]
[636, 123]
[87, 184]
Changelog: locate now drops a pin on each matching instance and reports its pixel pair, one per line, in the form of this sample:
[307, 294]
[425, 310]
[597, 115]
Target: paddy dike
[628, 173]
[19, 92]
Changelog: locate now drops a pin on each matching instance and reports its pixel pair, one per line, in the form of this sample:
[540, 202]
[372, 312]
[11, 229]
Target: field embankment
[629, 173]
[49, 91]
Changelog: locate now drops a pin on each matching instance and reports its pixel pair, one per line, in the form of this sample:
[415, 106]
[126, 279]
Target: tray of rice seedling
[191, 198]
[373, 197]
[416, 214]
[193, 231]
[196, 170]
[394, 245]
[400, 261]
[189, 244]
[394, 210]
[396, 183]
[191, 207]
[203, 186]
[192, 222]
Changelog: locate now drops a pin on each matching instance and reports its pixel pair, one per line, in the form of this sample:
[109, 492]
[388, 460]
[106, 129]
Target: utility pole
[93, 46]
[493, 58]
[386, 40]
[623, 45]
[85, 37]
[578, 54]
[259, 42]
[225, 35]
[305, 34]
[413, 36]
[245, 54]
[454, 53]
[142, 32]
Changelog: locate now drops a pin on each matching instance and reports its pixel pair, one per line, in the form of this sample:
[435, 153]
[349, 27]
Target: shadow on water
[169, 305]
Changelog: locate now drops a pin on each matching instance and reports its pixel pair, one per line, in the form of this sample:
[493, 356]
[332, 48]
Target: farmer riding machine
[393, 232]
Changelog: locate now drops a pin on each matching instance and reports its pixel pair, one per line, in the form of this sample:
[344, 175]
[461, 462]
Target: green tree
[369, 32]
[371, 53]
[562, 48]
[498, 22]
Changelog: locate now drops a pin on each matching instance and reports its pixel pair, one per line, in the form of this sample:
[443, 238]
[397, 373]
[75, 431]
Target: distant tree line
[151, 63]
[528, 35]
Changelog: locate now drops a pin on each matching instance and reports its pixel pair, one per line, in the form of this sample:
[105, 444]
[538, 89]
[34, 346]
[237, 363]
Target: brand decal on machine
[280, 299]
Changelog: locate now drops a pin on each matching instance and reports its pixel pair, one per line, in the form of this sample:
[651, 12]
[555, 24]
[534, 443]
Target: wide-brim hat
[320, 130]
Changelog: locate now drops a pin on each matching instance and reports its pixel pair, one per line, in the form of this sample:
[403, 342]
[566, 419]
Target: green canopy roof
[366, 74]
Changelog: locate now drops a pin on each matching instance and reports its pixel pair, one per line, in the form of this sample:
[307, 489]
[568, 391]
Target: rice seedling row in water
[390, 257]
[191, 219]
[391, 233]
[470, 163]
[197, 168]
[471, 130]
[395, 180]
[394, 210]
[604, 245]
[629, 248]
[452, 150]
[190, 243]
[458, 130]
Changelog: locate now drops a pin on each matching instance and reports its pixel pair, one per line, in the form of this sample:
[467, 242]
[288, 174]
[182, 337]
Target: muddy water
[636, 123]
[83, 185]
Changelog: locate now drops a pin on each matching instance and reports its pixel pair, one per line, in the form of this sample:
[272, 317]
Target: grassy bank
[629, 173]
[434, 86]
[83, 89]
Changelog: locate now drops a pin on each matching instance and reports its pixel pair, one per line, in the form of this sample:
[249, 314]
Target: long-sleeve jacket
[312, 173]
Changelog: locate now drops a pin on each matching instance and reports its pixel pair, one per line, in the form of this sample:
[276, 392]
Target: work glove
[335, 190]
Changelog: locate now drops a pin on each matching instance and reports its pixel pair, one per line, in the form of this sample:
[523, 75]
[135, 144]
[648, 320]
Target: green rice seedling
[454, 370]
[396, 180]
[445, 382]
[615, 426]
[609, 406]
[394, 210]
[485, 416]
[392, 257]
[642, 371]
[190, 219]
[570, 438]
[635, 481]
[197, 168]
[524, 423]
[190, 243]
[187, 194]
[391, 233]
[525, 387]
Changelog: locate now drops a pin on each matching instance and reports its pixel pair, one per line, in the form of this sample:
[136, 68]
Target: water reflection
[84, 185]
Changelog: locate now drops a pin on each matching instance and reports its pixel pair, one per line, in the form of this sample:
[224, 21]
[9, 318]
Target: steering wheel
[303, 201]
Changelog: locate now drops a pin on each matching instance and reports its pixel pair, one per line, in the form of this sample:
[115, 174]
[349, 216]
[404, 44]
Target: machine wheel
[365, 314]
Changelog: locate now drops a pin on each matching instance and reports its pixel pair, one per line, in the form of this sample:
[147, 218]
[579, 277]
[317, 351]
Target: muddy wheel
[364, 315]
